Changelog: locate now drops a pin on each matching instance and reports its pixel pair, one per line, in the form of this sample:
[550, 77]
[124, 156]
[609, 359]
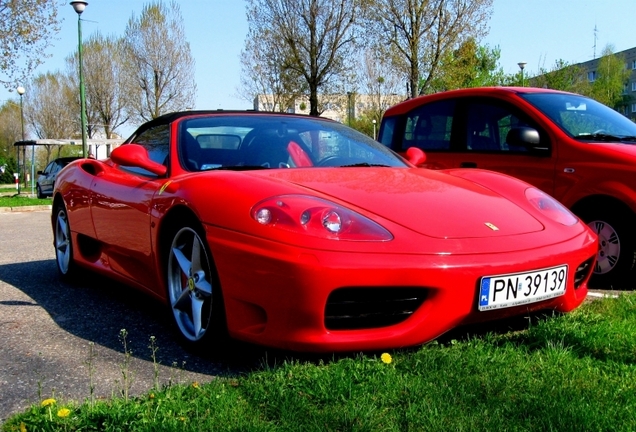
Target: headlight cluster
[550, 207]
[317, 217]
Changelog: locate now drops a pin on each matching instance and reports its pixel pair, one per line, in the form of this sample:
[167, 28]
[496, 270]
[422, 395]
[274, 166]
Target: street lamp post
[79, 6]
[522, 66]
[21, 91]
[373, 121]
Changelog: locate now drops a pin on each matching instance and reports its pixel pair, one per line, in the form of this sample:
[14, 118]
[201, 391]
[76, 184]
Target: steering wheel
[599, 131]
[329, 161]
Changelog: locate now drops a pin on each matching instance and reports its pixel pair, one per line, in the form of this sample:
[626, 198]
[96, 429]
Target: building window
[633, 64]
[634, 86]
[634, 108]
[591, 76]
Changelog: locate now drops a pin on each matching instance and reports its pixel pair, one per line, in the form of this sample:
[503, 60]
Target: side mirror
[415, 155]
[526, 137]
[134, 155]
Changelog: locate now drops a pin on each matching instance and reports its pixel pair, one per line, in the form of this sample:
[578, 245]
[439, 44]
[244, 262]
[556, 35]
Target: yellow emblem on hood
[491, 226]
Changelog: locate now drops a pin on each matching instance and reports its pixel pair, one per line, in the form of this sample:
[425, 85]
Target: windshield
[583, 118]
[274, 141]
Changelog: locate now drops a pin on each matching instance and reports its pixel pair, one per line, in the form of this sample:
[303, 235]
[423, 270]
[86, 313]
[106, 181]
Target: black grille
[362, 308]
[582, 272]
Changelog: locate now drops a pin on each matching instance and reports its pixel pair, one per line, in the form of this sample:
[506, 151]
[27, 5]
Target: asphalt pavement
[48, 327]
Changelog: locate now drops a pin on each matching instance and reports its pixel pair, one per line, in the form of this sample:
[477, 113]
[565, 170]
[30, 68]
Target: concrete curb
[25, 208]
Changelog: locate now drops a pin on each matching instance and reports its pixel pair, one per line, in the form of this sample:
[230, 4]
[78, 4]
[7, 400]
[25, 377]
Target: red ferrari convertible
[301, 233]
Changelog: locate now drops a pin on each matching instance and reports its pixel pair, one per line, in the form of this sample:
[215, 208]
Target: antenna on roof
[595, 38]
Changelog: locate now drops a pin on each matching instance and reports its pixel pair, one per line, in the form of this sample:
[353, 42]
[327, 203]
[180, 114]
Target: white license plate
[520, 288]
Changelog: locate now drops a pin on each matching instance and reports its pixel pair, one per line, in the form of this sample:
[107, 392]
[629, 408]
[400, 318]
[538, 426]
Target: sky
[538, 32]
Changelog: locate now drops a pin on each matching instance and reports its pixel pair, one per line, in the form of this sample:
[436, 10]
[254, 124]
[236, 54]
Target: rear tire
[617, 246]
[194, 292]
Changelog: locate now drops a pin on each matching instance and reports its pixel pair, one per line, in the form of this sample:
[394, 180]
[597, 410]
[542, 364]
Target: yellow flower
[23, 427]
[64, 412]
[386, 358]
[182, 419]
[151, 395]
[195, 385]
[47, 402]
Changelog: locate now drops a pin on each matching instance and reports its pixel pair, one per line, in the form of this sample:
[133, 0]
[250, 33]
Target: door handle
[468, 165]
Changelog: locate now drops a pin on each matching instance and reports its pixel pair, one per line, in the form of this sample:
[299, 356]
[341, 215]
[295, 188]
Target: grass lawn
[566, 373]
[21, 200]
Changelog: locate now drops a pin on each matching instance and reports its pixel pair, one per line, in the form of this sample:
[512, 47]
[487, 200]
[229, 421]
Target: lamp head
[20, 90]
[522, 65]
[79, 6]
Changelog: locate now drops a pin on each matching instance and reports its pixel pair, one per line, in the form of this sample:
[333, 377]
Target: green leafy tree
[160, 66]
[611, 78]
[10, 132]
[563, 76]
[8, 166]
[26, 31]
[470, 65]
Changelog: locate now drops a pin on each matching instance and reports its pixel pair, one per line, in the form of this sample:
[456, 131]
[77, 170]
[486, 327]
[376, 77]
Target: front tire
[39, 192]
[617, 246]
[194, 293]
[63, 243]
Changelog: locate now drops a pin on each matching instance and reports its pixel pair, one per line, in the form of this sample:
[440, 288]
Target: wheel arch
[177, 217]
[57, 201]
[600, 201]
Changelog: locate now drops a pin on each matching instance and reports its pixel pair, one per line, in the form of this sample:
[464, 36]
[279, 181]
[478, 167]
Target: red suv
[572, 147]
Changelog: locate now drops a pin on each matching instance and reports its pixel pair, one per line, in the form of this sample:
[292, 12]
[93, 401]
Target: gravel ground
[47, 328]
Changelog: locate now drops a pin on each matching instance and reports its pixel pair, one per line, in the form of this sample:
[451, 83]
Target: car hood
[623, 149]
[428, 202]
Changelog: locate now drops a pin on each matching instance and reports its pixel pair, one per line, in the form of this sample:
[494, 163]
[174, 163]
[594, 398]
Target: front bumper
[276, 295]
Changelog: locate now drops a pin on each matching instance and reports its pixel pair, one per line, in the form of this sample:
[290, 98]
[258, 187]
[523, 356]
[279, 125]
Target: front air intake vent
[365, 308]
[582, 272]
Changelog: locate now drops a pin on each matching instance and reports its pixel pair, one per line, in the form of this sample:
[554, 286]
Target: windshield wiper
[362, 164]
[236, 168]
[599, 137]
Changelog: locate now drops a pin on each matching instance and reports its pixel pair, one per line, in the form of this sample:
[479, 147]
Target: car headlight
[550, 207]
[317, 217]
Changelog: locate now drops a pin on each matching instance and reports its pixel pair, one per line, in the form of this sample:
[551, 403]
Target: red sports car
[301, 233]
[576, 149]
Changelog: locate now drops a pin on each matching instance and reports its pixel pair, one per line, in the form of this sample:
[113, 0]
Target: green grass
[575, 372]
[20, 201]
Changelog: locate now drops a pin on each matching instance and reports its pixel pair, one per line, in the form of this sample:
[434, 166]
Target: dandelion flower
[151, 395]
[48, 402]
[386, 358]
[183, 419]
[195, 385]
[23, 427]
[64, 412]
